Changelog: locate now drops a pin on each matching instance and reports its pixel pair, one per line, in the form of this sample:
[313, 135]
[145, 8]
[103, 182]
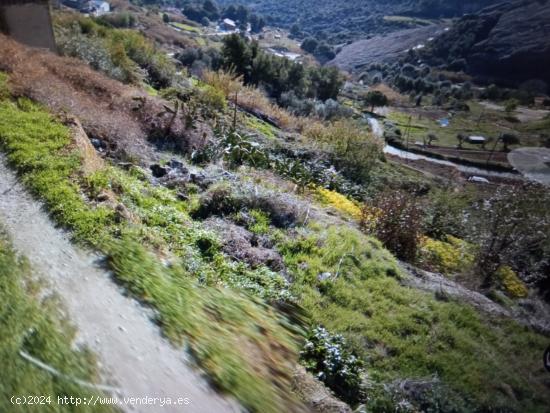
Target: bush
[449, 256]
[398, 223]
[512, 227]
[339, 201]
[355, 151]
[326, 356]
[309, 45]
[510, 282]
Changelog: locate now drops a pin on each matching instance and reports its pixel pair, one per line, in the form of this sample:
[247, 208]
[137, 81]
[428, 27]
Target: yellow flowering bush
[369, 218]
[449, 256]
[511, 283]
[339, 201]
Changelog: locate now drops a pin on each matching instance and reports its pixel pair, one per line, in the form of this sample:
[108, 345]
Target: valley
[266, 209]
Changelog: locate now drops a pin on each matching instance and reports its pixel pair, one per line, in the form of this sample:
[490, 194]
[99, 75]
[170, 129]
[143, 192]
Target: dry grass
[252, 99]
[123, 116]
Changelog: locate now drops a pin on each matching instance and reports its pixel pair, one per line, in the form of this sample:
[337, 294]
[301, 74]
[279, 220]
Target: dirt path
[131, 351]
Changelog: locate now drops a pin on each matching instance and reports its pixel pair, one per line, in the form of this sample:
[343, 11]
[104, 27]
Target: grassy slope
[218, 322]
[406, 333]
[37, 328]
[399, 332]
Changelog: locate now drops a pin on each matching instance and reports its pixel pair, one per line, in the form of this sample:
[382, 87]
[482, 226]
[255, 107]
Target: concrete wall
[28, 21]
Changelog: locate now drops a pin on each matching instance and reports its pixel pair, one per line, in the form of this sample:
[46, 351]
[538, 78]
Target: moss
[339, 202]
[261, 221]
[511, 283]
[260, 126]
[34, 326]
[4, 90]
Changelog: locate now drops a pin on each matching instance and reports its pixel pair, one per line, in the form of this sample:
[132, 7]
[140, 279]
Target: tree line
[278, 74]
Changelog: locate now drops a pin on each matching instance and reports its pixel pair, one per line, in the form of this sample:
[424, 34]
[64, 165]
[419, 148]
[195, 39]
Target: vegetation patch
[448, 257]
[260, 126]
[34, 326]
[349, 285]
[189, 293]
[186, 27]
[339, 202]
[512, 284]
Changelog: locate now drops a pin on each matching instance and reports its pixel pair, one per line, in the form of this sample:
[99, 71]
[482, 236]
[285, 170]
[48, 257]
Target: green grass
[191, 294]
[36, 327]
[260, 126]
[187, 27]
[401, 332]
[478, 121]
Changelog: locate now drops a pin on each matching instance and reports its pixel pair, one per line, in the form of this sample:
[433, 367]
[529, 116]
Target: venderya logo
[547, 359]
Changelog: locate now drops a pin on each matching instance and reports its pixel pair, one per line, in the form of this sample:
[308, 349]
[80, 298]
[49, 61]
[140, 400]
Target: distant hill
[348, 20]
[508, 43]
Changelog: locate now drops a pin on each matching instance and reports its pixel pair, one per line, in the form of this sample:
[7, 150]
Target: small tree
[375, 98]
[512, 228]
[295, 30]
[165, 18]
[511, 105]
[508, 139]
[398, 221]
[309, 45]
[432, 138]
[460, 138]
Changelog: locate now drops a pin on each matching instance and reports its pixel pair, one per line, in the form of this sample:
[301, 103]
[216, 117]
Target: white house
[228, 24]
[98, 7]
[476, 140]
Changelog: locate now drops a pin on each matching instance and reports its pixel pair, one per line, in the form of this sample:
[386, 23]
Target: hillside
[507, 43]
[267, 234]
[349, 20]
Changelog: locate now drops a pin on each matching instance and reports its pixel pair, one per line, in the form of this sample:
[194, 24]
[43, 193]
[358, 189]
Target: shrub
[355, 150]
[449, 256]
[511, 283]
[327, 357]
[512, 227]
[339, 201]
[398, 224]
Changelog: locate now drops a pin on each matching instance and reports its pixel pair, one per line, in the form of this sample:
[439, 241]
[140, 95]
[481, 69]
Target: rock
[97, 143]
[200, 180]
[383, 48]
[314, 393]
[103, 197]
[158, 170]
[324, 276]
[125, 165]
[91, 161]
[238, 243]
[175, 164]
[182, 196]
[122, 213]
